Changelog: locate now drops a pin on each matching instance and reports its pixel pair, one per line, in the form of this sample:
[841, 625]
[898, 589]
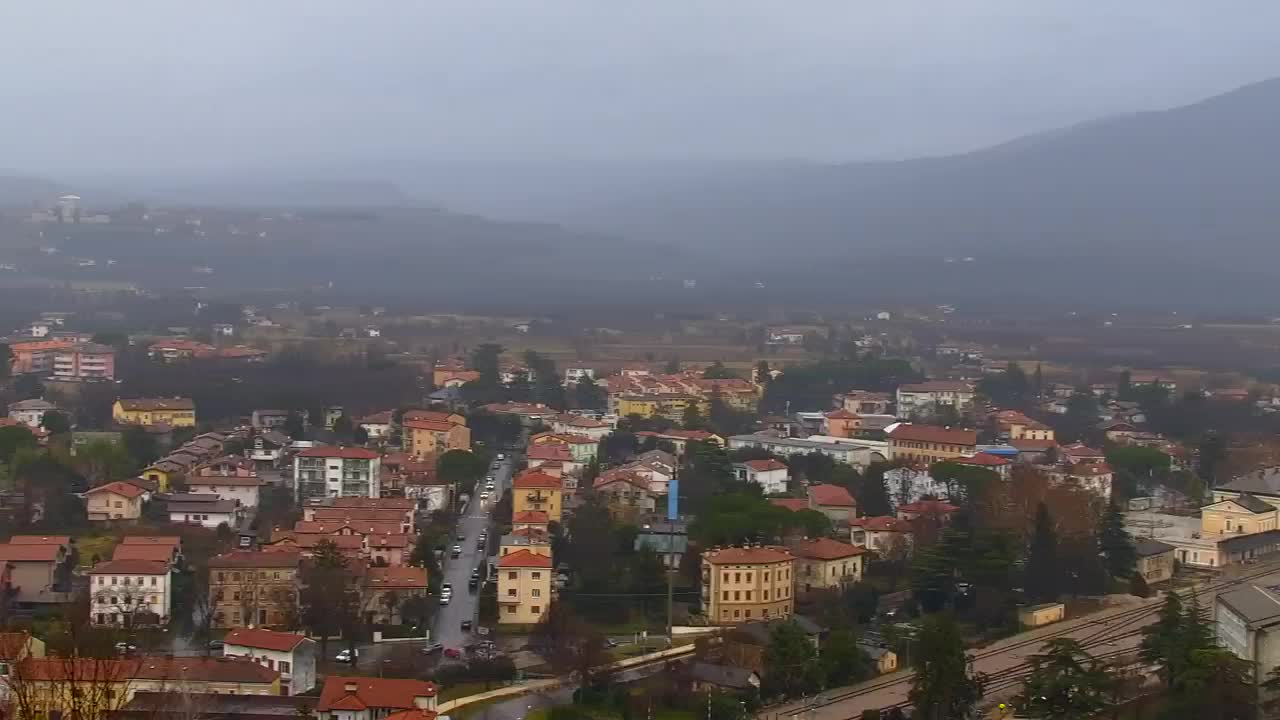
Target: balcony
[508, 599]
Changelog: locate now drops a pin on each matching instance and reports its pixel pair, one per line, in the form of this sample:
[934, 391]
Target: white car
[445, 598]
[484, 495]
[347, 656]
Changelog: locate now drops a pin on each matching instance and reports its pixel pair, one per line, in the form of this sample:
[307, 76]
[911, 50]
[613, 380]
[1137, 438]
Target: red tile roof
[532, 479]
[841, 414]
[524, 559]
[530, 516]
[151, 553]
[881, 523]
[747, 556]
[830, 496]
[933, 434]
[824, 549]
[228, 480]
[264, 639]
[1090, 469]
[983, 460]
[429, 425]
[415, 714]
[1033, 445]
[130, 567]
[359, 527]
[170, 541]
[372, 503]
[765, 465]
[346, 453]
[792, 504]
[118, 488]
[252, 559]
[370, 692]
[928, 506]
[153, 404]
[40, 540]
[396, 578]
[29, 553]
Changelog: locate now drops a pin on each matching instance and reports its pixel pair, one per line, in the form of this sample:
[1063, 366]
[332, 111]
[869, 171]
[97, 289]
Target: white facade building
[242, 490]
[325, 471]
[293, 656]
[924, 398]
[129, 592]
[770, 475]
[30, 412]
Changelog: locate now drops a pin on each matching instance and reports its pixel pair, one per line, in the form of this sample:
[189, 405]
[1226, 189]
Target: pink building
[85, 361]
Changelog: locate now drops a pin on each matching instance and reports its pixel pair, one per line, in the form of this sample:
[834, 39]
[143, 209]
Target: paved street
[465, 604]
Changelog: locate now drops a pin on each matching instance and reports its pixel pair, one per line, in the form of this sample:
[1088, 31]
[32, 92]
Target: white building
[328, 471]
[204, 513]
[129, 593]
[268, 446]
[1247, 622]
[30, 412]
[574, 375]
[242, 490]
[769, 474]
[907, 485]
[926, 397]
[858, 454]
[293, 656]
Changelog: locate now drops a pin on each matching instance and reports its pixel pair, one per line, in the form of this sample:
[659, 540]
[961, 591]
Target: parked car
[473, 583]
[444, 599]
[457, 551]
[125, 648]
[454, 653]
[502, 456]
[347, 656]
[434, 647]
[466, 626]
[447, 588]
[216, 644]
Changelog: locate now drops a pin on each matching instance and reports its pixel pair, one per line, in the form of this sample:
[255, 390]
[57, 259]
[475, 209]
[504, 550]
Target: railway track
[1114, 627]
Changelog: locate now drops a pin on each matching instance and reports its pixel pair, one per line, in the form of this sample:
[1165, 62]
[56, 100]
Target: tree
[1066, 683]
[942, 688]
[673, 365]
[343, 427]
[100, 460]
[791, 666]
[843, 662]
[1162, 641]
[1210, 454]
[1116, 544]
[294, 426]
[692, 418]
[1214, 684]
[462, 468]
[872, 493]
[140, 445]
[763, 374]
[587, 395]
[6, 361]
[1043, 573]
[328, 598]
[717, 371]
[360, 435]
[28, 387]
[55, 423]
[14, 438]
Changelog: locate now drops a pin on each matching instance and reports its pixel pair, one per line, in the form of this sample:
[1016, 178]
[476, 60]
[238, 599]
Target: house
[740, 584]
[833, 501]
[156, 548]
[626, 494]
[114, 501]
[884, 659]
[327, 471]
[1118, 432]
[986, 461]
[856, 453]
[1247, 622]
[268, 447]
[15, 647]
[1155, 560]
[929, 443]
[292, 655]
[534, 490]
[582, 426]
[524, 587]
[366, 698]
[746, 645]
[1243, 514]
[841, 423]
[927, 508]
[535, 519]
[925, 398]
[582, 449]
[174, 412]
[1095, 477]
[532, 539]
[241, 490]
[38, 573]
[268, 419]
[862, 402]
[172, 705]
[425, 434]
[1080, 453]
[680, 439]
[129, 593]
[771, 475]
[707, 677]
[387, 588]
[823, 563]
[1013, 425]
[378, 425]
[30, 412]
[85, 362]
[253, 587]
[204, 510]
[668, 538]
[884, 534]
[907, 484]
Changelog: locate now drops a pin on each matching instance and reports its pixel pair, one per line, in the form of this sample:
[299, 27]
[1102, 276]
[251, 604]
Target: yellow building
[175, 412]
[524, 587]
[672, 407]
[929, 443]
[428, 433]
[747, 583]
[824, 563]
[534, 491]
[1243, 515]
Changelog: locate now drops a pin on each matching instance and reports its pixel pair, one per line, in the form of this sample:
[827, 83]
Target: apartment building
[89, 362]
[114, 501]
[291, 655]
[927, 444]
[330, 472]
[250, 588]
[524, 587]
[740, 584]
[129, 593]
[926, 397]
[174, 412]
[537, 491]
[429, 433]
[823, 564]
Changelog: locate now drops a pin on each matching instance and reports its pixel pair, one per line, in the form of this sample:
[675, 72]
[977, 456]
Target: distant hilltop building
[69, 209]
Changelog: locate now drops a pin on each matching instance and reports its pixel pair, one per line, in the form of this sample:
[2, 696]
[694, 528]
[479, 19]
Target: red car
[454, 653]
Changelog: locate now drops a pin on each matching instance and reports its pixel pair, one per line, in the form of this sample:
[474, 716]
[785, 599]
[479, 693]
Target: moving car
[484, 494]
[501, 456]
[447, 588]
[444, 599]
[473, 583]
[457, 550]
[462, 537]
[434, 647]
[347, 656]
[466, 626]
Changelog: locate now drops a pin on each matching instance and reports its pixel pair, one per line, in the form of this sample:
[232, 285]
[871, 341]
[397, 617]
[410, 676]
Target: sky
[154, 85]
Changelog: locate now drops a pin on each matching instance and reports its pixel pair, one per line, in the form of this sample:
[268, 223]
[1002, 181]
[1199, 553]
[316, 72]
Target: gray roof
[222, 506]
[723, 675]
[1252, 504]
[1257, 605]
[35, 404]
[1254, 541]
[1146, 547]
[761, 631]
[1260, 482]
[875, 652]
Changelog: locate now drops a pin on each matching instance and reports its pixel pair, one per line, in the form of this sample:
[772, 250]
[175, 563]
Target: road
[1110, 632]
[517, 708]
[447, 627]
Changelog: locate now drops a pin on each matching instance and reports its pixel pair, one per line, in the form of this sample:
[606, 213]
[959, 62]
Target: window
[737, 577]
[222, 577]
[511, 592]
[102, 580]
[748, 596]
[536, 610]
[235, 617]
[235, 576]
[766, 594]
[235, 595]
[513, 575]
[275, 576]
[766, 577]
[747, 613]
[537, 592]
[153, 582]
[284, 666]
[748, 577]
[726, 595]
[737, 594]
[511, 609]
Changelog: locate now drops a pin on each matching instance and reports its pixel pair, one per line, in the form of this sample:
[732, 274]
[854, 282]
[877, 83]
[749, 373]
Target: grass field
[91, 546]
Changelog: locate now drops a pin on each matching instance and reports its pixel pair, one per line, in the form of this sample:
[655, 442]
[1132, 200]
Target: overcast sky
[87, 85]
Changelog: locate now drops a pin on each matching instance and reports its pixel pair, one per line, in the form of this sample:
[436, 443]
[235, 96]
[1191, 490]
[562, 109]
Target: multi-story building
[326, 472]
[771, 475]
[858, 453]
[30, 412]
[582, 449]
[129, 593]
[36, 356]
[524, 587]
[1247, 622]
[428, 433]
[367, 698]
[387, 588]
[537, 491]
[36, 571]
[824, 563]
[85, 361]
[863, 402]
[626, 494]
[291, 655]
[174, 412]
[249, 588]
[928, 444]
[117, 500]
[926, 397]
[740, 584]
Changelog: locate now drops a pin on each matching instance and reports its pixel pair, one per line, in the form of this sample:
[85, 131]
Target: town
[347, 513]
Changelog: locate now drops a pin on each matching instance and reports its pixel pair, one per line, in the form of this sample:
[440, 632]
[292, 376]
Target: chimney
[349, 687]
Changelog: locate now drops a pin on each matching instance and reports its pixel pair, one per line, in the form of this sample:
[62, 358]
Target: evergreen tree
[1161, 640]
[1116, 544]
[6, 361]
[1213, 684]
[843, 662]
[55, 423]
[1037, 381]
[692, 418]
[872, 493]
[1042, 562]
[791, 665]
[294, 427]
[1124, 387]
[942, 688]
[1066, 683]
[762, 373]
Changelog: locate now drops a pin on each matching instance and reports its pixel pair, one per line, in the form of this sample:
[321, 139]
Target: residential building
[36, 356]
[823, 564]
[240, 489]
[1247, 622]
[204, 510]
[30, 412]
[856, 453]
[291, 655]
[1243, 514]
[88, 362]
[746, 645]
[36, 573]
[740, 584]
[884, 659]
[771, 475]
[925, 398]
[1155, 560]
[268, 447]
[680, 439]
[424, 433]
[939, 511]
[114, 501]
[883, 534]
[908, 484]
[367, 698]
[170, 705]
[581, 425]
[1206, 541]
[325, 471]
[534, 540]
[129, 593]
[582, 448]
[668, 538]
[1033, 451]
[626, 494]
[156, 548]
[174, 412]
[377, 425]
[1094, 477]
[538, 491]
[986, 461]
[710, 678]
[841, 423]
[253, 588]
[387, 588]
[524, 587]
[833, 501]
[862, 402]
[268, 418]
[929, 443]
